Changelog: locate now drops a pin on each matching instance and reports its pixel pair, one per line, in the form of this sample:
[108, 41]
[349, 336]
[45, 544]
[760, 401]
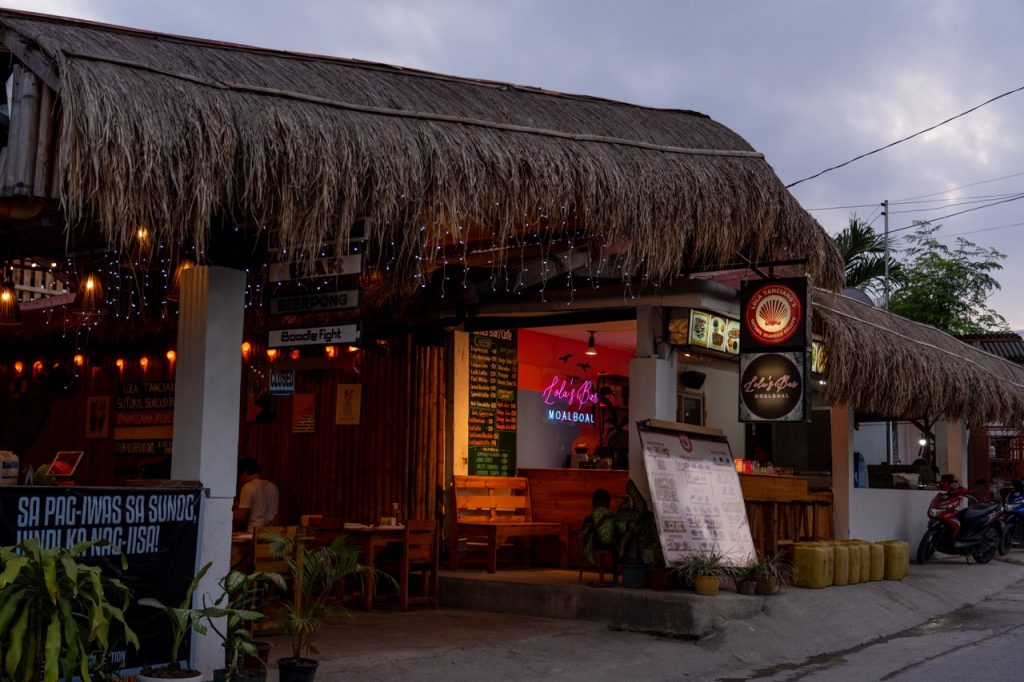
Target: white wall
[869, 440]
[721, 400]
[889, 515]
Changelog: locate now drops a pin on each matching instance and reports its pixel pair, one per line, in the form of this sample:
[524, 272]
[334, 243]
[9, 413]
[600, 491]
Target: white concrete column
[652, 389]
[208, 381]
[953, 454]
[842, 469]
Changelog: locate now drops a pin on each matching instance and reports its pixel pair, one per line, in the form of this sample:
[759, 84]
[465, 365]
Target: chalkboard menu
[493, 380]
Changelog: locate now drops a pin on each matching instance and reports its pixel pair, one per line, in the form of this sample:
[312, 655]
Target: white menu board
[695, 492]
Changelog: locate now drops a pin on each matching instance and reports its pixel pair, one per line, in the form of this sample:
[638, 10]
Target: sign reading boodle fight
[493, 407]
[775, 339]
[155, 529]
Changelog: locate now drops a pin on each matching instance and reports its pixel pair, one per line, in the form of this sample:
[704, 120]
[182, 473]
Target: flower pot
[634, 576]
[245, 675]
[162, 674]
[746, 586]
[706, 585]
[296, 669]
[767, 585]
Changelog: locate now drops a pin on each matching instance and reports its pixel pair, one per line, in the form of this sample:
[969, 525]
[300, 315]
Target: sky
[810, 83]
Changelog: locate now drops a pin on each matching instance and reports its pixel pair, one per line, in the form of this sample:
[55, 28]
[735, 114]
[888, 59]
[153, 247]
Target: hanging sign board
[314, 336]
[282, 382]
[314, 303]
[325, 267]
[773, 387]
[695, 492]
[775, 364]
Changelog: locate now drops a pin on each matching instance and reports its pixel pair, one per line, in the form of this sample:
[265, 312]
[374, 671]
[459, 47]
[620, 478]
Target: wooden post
[22, 137]
[44, 144]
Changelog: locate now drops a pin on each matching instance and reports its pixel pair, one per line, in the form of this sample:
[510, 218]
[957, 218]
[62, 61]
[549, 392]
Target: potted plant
[57, 613]
[639, 544]
[184, 619]
[705, 569]
[773, 572]
[745, 576]
[316, 570]
[242, 599]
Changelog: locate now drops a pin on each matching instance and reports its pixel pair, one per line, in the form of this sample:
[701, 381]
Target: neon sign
[576, 401]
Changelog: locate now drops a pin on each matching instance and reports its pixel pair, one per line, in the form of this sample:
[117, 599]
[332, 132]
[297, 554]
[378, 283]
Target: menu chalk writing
[493, 378]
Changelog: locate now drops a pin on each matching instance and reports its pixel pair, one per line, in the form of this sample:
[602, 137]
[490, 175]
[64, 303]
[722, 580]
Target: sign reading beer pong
[774, 314]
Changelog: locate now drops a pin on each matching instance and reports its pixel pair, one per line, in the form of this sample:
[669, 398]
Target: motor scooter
[959, 524]
[1013, 518]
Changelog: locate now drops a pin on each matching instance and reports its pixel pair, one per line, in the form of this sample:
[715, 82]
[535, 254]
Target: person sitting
[258, 498]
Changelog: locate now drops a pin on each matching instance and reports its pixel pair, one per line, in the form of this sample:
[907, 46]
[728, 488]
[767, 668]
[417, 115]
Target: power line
[979, 200]
[953, 189]
[907, 202]
[966, 210]
[983, 229]
[909, 137]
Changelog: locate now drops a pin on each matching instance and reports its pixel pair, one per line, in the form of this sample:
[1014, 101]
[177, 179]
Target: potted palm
[773, 571]
[184, 619]
[243, 597]
[57, 613]
[705, 569]
[316, 571]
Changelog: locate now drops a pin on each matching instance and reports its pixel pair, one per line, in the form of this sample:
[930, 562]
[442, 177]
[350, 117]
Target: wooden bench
[494, 509]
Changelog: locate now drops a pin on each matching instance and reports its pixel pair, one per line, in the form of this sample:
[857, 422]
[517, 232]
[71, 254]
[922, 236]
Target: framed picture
[97, 417]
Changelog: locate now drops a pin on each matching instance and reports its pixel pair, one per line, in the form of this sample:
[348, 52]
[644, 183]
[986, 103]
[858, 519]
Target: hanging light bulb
[89, 300]
[591, 350]
[272, 354]
[171, 356]
[79, 360]
[19, 367]
[9, 313]
[144, 363]
[246, 350]
[119, 363]
[331, 351]
[295, 354]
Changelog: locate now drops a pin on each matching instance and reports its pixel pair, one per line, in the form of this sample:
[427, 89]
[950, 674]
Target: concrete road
[978, 641]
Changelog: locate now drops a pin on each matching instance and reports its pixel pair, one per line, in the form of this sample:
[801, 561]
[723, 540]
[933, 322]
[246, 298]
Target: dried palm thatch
[166, 132]
[888, 365]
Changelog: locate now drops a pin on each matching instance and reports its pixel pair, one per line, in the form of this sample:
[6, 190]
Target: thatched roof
[166, 132]
[888, 365]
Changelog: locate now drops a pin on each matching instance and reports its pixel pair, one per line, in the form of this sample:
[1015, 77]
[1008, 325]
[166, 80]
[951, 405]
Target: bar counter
[782, 510]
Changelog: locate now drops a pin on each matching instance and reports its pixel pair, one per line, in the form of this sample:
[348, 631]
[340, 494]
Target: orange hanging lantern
[79, 360]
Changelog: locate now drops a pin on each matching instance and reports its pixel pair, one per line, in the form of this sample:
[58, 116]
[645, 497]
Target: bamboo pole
[44, 144]
[25, 105]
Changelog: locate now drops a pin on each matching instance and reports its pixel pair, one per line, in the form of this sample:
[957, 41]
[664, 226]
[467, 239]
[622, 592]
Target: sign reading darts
[774, 314]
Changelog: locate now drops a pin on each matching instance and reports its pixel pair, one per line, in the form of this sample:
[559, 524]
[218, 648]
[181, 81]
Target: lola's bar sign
[775, 337]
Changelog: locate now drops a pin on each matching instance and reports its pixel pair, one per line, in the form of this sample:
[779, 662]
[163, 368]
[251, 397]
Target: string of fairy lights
[139, 284]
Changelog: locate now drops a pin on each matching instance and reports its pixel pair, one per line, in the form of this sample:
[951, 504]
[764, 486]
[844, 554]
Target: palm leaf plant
[242, 598]
[183, 619]
[316, 571]
[57, 613]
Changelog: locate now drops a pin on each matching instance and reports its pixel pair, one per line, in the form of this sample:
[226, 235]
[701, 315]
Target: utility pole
[885, 306]
[885, 281]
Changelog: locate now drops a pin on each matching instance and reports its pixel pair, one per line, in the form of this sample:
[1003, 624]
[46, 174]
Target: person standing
[258, 499]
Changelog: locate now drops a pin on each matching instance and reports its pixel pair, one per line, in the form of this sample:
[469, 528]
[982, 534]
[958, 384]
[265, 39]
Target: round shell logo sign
[684, 440]
[773, 313]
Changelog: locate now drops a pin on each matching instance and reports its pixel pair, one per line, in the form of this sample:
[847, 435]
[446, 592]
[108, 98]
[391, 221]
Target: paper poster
[304, 413]
[696, 495]
[346, 408]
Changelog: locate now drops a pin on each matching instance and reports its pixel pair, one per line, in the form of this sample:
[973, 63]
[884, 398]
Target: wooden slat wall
[27, 165]
[394, 455]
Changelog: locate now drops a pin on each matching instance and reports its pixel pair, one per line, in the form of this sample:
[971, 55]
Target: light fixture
[79, 360]
[144, 363]
[174, 291]
[331, 351]
[922, 442]
[591, 350]
[119, 363]
[9, 313]
[295, 354]
[171, 356]
[272, 354]
[246, 349]
[89, 301]
[19, 367]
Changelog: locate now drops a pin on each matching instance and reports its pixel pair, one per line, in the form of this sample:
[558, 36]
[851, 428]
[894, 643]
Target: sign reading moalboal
[493, 381]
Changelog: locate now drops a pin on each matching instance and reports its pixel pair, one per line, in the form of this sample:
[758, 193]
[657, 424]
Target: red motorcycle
[961, 525]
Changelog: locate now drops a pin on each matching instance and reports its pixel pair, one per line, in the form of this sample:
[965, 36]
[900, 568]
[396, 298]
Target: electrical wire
[966, 210]
[909, 137]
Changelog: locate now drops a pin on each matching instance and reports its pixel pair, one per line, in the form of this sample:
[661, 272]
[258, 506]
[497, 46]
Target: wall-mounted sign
[314, 303]
[772, 387]
[314, 336]
[774, 313]
[282, 382]
[325, 267]
[144, 417]
[569, 402]
[493, 406]
[819, 357]
[706, 329]
[347, 405]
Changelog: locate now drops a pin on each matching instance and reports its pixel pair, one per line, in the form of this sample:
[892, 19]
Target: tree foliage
[863, 252]
[949, 288]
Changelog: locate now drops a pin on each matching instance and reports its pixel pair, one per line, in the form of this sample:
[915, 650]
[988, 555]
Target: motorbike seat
[979, 510]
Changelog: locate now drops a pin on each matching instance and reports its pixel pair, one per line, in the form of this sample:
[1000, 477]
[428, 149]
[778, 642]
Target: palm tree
[863, 252]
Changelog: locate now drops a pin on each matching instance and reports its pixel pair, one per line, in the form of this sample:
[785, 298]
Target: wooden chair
[321, 530]
[420, 556]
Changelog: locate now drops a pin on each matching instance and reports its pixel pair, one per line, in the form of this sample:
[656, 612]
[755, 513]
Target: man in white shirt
[257, 501]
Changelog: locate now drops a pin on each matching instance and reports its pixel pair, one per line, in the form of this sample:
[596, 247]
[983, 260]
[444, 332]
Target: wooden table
[241, 552]
[371, 540]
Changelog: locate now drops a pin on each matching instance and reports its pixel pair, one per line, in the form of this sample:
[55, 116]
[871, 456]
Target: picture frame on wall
[97, 417]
